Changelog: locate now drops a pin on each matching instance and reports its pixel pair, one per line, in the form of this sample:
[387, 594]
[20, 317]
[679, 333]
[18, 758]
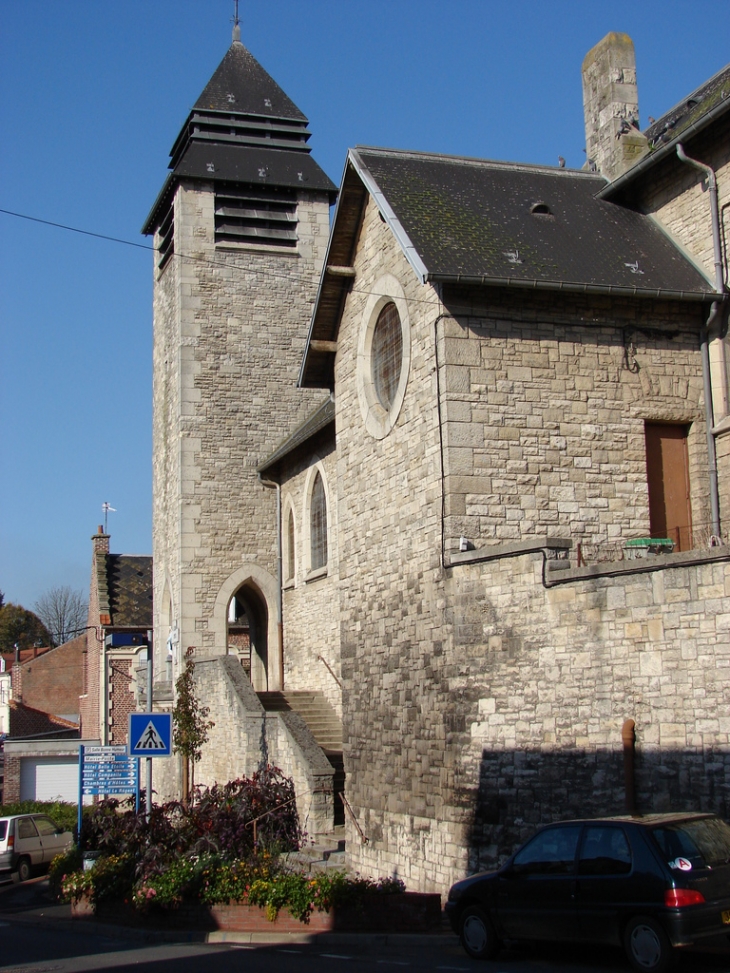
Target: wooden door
[667, 468]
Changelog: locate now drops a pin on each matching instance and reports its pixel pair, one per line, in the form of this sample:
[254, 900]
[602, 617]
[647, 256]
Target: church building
[441, 496]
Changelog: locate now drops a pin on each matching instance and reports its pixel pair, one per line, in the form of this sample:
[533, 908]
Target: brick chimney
[610, 103]
[100, 541]
[16, 678]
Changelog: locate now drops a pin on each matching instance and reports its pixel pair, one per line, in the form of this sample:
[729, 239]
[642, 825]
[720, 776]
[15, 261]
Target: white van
[29, 841]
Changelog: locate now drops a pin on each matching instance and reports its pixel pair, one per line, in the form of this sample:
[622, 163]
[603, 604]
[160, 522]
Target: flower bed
[402, 912]
[221, 864]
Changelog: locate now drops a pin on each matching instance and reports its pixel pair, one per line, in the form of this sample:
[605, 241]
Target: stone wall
[544, 401]
[676, 195]
[311, 599]
[477, 702]
[230, 326]
[520, 707]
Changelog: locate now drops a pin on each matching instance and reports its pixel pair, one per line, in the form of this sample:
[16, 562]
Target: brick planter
[406, 912]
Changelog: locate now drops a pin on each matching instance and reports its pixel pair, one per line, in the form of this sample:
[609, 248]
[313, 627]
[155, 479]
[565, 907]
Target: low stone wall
[244, 737]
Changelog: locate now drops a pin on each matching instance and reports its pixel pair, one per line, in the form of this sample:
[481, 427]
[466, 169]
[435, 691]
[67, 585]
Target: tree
[63, 611]
[21, 627]
[190, 724]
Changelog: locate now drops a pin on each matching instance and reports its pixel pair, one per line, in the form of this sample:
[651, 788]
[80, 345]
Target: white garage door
[49, 779]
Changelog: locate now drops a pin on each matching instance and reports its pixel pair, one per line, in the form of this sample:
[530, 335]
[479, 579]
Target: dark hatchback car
[649, 883]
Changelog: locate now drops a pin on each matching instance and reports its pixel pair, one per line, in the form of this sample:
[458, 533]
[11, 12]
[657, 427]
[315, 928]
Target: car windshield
[694, 844]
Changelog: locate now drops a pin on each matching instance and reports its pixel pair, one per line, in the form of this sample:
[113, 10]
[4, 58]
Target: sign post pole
[148, 789]
[81, 792]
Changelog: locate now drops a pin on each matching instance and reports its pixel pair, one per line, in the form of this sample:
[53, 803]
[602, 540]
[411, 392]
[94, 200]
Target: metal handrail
[254, 821]
[321, 659]
[346, 805]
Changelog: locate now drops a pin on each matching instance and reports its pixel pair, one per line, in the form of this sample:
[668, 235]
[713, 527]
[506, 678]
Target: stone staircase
[321, 854]
[324, 725]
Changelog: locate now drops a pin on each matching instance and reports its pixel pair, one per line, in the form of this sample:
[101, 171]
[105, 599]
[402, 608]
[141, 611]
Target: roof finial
[236, 24]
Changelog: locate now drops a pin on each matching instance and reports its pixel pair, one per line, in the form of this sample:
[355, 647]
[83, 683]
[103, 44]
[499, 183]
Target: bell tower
[240, 232]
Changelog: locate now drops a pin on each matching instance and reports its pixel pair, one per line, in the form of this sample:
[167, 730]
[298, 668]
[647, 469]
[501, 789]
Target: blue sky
[92, 95]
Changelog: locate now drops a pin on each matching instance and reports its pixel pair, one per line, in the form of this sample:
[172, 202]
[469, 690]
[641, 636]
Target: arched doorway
[247, 633]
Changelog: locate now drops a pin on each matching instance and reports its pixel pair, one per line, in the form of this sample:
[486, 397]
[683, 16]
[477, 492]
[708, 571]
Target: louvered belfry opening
[264, 215]
[387, 354]
[166, 246]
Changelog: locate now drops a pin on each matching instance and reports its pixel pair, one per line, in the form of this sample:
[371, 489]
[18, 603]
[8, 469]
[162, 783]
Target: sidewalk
[30, 903]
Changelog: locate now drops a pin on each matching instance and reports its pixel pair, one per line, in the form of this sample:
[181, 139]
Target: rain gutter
[573, 288]
[273, 485]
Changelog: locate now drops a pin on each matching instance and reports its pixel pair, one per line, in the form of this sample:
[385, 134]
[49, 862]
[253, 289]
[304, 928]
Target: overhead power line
[195, 258]
[75, 229]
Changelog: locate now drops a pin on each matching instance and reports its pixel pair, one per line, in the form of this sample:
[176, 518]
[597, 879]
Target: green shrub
[63, 814]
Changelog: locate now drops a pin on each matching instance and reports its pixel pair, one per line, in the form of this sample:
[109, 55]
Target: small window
[26, 828]
[387, 354]
[318, 524]
[290, 550]
[541, 209]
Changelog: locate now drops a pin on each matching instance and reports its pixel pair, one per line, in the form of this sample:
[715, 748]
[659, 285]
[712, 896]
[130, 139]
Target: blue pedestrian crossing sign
[150, 734]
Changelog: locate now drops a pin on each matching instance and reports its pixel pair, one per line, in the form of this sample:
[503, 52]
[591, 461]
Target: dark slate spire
[240, 84]
[244, 129]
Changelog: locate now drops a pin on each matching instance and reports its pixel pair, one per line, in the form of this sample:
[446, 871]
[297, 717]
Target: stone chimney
[100, 541]
[611, 106]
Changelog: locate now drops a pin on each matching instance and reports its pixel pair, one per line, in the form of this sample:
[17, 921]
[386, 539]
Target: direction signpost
[108, 771]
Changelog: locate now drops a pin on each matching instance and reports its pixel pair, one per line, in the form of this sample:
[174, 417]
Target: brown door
[670, 514]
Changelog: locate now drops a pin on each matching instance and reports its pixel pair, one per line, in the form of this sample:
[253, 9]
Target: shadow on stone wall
[520, 790]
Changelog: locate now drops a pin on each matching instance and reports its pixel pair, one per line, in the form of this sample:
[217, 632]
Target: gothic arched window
[290, 549]
[318, 524]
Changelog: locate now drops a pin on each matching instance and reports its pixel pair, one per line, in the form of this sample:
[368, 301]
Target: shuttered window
[387, 354]
[318, 516]
[256, 215]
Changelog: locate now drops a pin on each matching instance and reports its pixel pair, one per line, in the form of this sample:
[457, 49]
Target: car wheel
[477, 934]
[23, 870]
[647, 946]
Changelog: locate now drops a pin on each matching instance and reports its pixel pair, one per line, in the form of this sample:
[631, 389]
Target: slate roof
[498, 224]
[322, 417]
[713, 94]
[476, 220]
[125, 586]
[243, 128]
[253, 89]
[260, 166]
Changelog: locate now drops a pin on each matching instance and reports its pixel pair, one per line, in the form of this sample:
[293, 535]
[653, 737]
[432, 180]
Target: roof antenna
[236, 24]
[107, 507]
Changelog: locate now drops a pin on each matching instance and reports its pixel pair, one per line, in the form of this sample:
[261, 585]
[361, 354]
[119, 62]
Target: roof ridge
[688, 97]
[478, 162]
